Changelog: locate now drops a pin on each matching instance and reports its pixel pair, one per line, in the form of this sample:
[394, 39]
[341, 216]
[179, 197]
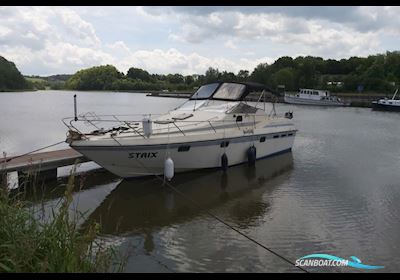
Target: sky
[188, 40]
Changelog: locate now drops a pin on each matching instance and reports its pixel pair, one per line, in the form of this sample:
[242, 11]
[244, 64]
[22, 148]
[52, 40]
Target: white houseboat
[313, 97]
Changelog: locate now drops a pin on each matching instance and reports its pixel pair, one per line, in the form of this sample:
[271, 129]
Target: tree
[189, 80]
[10, 77]
[94, 78]
[137, 73]
[284, 77]
[175, 78]
[243, 75]
[284, 62]
[211, 75]
[261, 74]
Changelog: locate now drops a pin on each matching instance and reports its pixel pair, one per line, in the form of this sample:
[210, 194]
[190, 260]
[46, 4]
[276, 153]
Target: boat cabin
[228, 91]
[322, 93]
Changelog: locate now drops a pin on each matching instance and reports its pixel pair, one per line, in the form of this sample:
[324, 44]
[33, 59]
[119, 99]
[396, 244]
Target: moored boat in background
[313, 97]
[386, 104]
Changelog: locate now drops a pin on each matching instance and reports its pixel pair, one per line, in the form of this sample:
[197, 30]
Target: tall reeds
[58, 244]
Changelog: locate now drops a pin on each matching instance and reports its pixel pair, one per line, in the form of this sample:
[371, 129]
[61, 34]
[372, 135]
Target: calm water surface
[338, 192]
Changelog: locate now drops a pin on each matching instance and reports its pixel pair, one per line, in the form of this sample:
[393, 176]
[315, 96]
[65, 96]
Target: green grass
[28, 244]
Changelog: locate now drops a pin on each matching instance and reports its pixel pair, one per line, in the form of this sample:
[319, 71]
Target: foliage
[28, 244]
[10, 77]
[375, 73]
[95, 78]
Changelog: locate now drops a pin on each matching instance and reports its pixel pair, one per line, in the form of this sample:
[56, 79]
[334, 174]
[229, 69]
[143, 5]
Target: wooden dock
[45, 164]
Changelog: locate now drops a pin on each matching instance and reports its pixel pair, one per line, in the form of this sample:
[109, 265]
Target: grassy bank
[28, 244]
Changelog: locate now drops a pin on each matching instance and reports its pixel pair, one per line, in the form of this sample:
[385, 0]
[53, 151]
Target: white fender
[169, 169]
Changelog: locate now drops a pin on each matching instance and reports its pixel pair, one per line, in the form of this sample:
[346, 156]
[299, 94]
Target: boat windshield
[229, 91]
[204, 92]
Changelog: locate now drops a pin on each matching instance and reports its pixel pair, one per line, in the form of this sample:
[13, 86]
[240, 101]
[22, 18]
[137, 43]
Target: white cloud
[230, 44]
[51, 40]
[315, 36]
[174, 61]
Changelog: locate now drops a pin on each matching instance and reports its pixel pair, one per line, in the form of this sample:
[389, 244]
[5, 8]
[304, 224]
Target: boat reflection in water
[142, 206]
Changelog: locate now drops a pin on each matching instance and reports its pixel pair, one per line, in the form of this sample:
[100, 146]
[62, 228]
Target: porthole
[184, 148]
[224, 144]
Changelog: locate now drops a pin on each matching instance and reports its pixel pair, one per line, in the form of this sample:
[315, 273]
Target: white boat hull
[143, 160]
[304, 101]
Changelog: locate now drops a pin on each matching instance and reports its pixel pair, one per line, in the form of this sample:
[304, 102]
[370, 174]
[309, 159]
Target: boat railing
[132, 122]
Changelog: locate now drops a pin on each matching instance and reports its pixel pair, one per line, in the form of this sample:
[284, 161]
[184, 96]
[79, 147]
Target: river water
[337, 192]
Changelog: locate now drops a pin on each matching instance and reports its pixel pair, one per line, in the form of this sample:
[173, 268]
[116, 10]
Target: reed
[58, 244]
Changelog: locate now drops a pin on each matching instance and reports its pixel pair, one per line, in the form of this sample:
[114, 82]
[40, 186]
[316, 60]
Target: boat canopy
[229, 91]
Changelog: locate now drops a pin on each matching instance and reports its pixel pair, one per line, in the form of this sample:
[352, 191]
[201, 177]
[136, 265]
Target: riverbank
[17, 90]
[354, 99]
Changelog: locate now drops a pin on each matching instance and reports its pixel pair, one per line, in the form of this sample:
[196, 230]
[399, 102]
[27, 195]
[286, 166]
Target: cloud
[316, 36]
[231, 45]
[362, 19]
[174, 61]
[51, 40]
[58, 40]
[48, 37]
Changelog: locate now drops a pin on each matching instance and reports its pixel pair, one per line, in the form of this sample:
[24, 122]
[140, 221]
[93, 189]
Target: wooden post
[3, 180]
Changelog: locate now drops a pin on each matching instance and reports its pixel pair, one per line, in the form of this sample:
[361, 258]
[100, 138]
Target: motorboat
[216, 127]
[313, 97]
[386, 104]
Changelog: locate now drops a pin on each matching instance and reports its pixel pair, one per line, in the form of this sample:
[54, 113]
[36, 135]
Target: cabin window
[290, 134]
[262, 139]
[239, 118]
[283, 135]
[205, 91]
[276, 136]
[390, 102]
[183, 148]
[229, 91]
[224, 144]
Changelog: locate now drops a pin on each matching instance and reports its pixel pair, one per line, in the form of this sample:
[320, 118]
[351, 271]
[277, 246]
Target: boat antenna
[394, 95]
[263, 93]
[75, 110]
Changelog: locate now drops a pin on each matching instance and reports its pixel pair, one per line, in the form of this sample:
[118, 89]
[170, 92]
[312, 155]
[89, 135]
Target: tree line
[375, 73]
[378, 73]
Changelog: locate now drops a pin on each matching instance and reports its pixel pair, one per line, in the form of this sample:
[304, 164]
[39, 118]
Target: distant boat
[313, 97]
[387, 104]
